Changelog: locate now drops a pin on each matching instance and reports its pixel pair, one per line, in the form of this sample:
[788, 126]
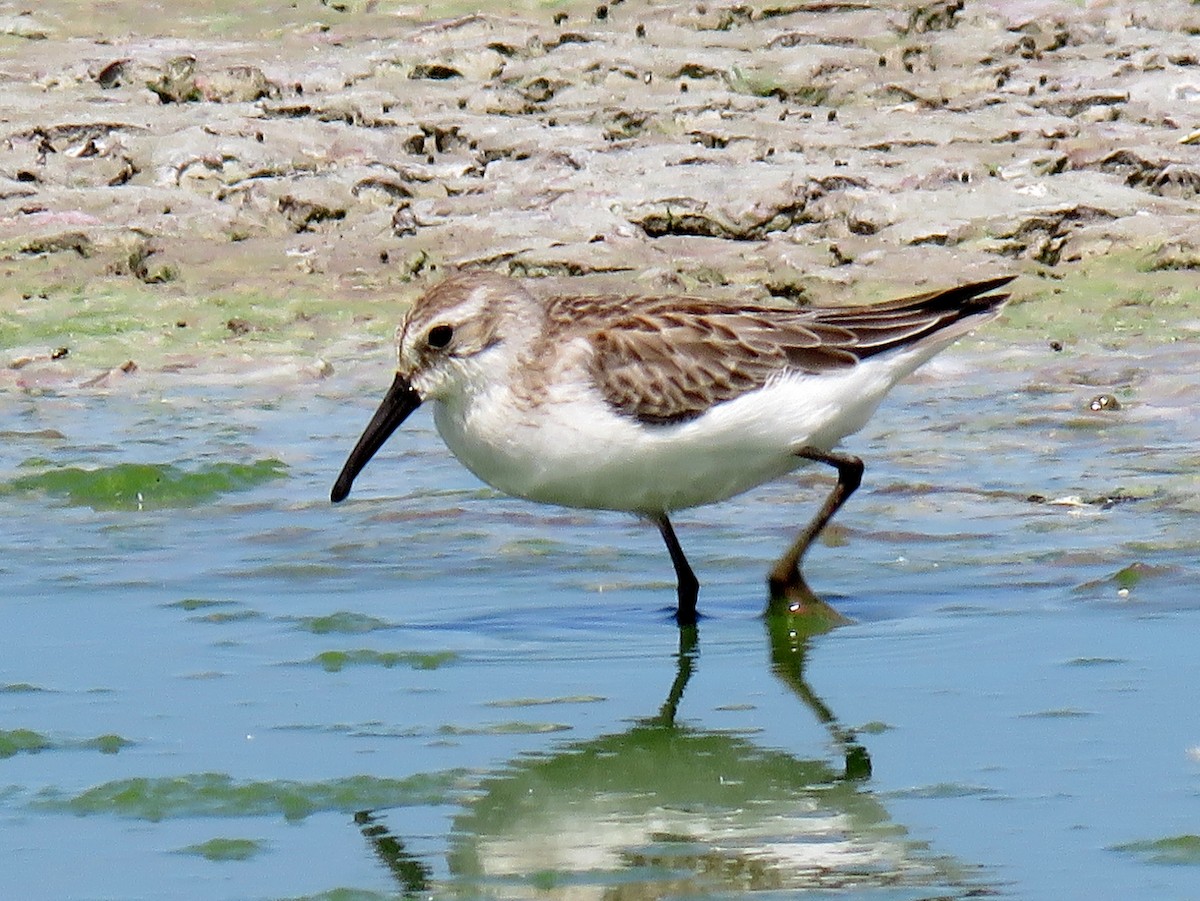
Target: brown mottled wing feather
[672, 363]
[881, 327]
[665, 360]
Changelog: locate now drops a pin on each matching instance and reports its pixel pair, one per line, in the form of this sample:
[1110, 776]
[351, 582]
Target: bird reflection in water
[666, 808]
[413, 875]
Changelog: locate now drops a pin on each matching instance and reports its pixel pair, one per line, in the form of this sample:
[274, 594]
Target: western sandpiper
[655, 404]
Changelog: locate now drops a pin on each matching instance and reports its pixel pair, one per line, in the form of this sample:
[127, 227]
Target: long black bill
[400, 401]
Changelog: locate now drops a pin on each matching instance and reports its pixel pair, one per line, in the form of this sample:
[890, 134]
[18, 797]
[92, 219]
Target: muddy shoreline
[243, 191]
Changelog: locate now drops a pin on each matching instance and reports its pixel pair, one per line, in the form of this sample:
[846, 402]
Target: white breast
[573, 450]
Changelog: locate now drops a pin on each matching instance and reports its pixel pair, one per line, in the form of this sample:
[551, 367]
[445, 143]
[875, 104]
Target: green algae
[222, 617]
[220, 795]
[27, 741]
[1096, 661]
[347, 894]
[214, 612]
[1125, 579]
[107, 744]
[1129, 576]
[515, 727]
[942, 790]
[104, 322]
[372, 729]
[1056, 713]
[223, 849]
[335, 661]
[137, 486]
[22, 741]
[1110, 299]
[539, 702]
[20, 688]
[1174, 850]
[191, 604]
[342, 622]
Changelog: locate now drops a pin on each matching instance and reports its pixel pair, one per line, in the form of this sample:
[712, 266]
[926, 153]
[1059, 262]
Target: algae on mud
[336, 661]
[1176, 850]
[222, 849]
[344, 622]
[150, 486]
[220, 795]
[27, 741]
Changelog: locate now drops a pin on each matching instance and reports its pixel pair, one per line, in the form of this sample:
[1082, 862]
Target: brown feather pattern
[669, 359]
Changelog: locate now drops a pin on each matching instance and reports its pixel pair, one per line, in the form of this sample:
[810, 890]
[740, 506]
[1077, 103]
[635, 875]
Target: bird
[652, 404]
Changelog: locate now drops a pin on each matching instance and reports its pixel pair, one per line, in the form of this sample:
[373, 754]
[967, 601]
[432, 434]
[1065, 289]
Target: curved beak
[397, 404]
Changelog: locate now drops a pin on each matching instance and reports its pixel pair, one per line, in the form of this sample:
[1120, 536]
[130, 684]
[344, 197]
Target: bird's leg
[689, 585]
[786, 583]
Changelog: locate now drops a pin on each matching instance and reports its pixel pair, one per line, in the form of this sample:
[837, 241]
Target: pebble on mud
[112, 75]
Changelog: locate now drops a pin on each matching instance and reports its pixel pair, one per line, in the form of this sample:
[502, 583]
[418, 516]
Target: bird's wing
[664, 360]
[669, 359]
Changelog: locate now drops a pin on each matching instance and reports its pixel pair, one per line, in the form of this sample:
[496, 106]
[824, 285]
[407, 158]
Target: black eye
[439, 336]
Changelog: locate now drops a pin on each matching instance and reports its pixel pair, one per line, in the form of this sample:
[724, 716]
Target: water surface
[214, 684]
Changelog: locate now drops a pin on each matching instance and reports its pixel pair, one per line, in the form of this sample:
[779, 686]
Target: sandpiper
[651, 405]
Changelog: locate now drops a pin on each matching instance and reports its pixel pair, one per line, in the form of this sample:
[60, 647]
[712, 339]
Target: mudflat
[263, 186]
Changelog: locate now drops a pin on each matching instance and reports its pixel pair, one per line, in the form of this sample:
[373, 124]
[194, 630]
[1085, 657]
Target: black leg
[689, 585]
[785, 581]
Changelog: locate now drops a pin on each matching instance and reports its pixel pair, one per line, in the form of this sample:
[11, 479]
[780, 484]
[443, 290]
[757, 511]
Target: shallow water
[216, 685]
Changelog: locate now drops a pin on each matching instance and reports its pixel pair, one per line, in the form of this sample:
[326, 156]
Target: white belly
[574, 451]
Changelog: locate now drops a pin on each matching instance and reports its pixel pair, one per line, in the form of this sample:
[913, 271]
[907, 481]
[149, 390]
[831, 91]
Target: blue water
[1022, 715]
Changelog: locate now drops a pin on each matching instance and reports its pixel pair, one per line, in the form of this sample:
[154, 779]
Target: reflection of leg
[412, 874]
[789, 644]
[858, 760]
[785, 581]
[685, 663]
[689, 585]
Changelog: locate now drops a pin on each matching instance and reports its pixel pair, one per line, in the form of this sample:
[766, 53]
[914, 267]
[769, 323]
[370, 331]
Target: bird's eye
[439, 336]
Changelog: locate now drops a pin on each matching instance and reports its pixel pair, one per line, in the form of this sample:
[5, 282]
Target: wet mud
[261, 187]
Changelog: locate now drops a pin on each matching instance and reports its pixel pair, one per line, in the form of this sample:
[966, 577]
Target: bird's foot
[686, 614]
[790, 596]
